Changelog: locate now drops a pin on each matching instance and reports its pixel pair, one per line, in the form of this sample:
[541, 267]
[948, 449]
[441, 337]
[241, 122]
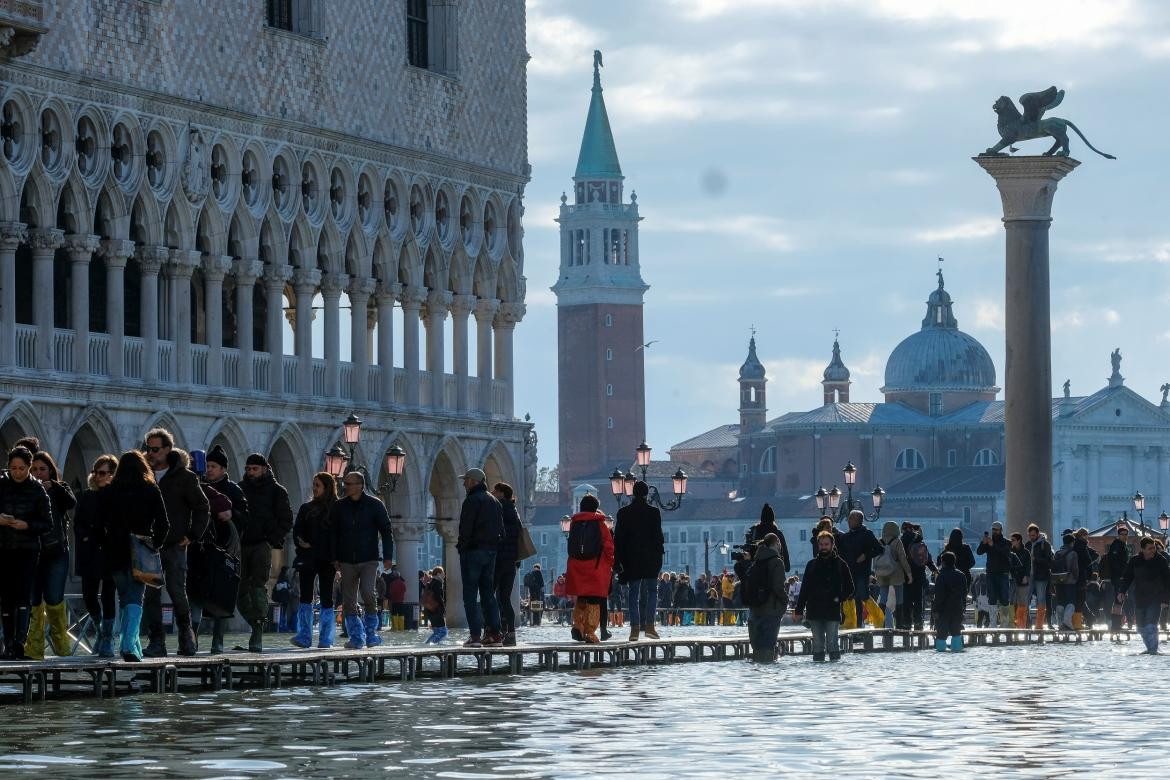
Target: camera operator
[767, 525]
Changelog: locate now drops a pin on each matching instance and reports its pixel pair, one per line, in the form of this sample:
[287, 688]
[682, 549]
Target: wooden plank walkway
[91, 676]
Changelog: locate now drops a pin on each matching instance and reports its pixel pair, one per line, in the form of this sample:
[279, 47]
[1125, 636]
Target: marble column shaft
[246, 272]
[44, 243]
[385, 295]
[80, 248]
[359, 291]
[12, 235]
[150, 261]
[412, 298]
[115, 254]
[275, 279]
[215, 269]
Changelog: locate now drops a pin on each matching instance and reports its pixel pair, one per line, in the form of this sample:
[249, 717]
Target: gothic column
[305, 284]
[384, 298]
[215, 268]
[275, 278]
[246, 271]
[179, 271]
[1026, 187]
[1093, 472]
[505, 323]
[150, 262]
[12, 235]
[115, 253]
[1163, 504]
[408, 538]
[485, 313]
[44, 242]
[461, 307]
[448, 528]
[359, 291]
[433, 318]
[80, 248]
[412, 299]
[1064, 500]
[332, 285]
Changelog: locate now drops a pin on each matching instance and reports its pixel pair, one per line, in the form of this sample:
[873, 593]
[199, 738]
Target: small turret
[836, 378]
[753, 409]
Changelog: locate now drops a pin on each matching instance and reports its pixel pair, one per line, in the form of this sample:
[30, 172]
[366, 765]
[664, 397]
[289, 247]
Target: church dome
[752, 368]
[836, 371]
[940, 357]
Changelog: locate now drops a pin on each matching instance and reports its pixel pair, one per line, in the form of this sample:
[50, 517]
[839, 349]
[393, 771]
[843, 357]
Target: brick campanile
[601, 367]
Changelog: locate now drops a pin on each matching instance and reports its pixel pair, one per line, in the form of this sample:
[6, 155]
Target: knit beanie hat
[218, 456]
[767, 516]
[256, 459]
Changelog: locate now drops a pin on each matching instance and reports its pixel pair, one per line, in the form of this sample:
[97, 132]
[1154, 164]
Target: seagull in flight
[646, 345]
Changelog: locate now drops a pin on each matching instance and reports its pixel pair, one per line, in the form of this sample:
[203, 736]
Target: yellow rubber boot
[1078, 621]
[34, 644]
[59, 637]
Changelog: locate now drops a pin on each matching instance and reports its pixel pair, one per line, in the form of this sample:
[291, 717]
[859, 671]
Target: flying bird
[646, 345]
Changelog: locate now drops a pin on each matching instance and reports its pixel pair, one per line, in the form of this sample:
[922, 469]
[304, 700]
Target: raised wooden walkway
[92, 676]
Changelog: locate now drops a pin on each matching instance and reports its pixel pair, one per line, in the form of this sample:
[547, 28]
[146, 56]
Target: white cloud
[762, 231]
[988, 315]
[540, 297]
[557, 42]
[1111, 316]
[1128, 251]
[962, 231]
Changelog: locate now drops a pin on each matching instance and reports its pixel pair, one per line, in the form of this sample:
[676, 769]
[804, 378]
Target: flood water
[1097, 709]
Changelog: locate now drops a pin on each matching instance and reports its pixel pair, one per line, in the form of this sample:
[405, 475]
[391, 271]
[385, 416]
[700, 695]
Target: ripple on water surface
[989, 712]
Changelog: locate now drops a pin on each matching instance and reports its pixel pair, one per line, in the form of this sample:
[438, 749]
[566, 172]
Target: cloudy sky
[800, 164]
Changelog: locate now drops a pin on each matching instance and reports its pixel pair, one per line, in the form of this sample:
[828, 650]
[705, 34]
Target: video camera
[744, 554]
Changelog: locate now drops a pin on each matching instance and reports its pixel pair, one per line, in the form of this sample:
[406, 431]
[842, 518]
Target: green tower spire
[598, 158]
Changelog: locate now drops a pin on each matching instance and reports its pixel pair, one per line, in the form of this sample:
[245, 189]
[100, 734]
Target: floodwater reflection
[1023, 711]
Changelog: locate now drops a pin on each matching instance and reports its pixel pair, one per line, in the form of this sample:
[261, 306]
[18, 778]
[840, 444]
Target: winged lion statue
[1014, 126]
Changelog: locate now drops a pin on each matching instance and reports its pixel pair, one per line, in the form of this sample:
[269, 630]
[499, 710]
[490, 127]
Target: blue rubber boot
[304, 635]
[940, 645]
[372, 638]
[105, 643]
[328, 628]
[957, 644]
[356, 631]
[131, 640]
[439, 635]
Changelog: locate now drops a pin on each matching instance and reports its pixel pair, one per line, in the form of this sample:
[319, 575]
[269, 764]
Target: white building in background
[197, 200]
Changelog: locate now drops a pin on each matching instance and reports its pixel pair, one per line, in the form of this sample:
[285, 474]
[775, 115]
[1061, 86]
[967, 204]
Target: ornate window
[431, 35]
[297, 16]
[986, 457]
[768, 461]
[936, 404]
[609, 320]
[910, 459]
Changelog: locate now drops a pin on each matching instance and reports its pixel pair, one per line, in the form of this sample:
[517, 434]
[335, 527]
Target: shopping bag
[850, 610]
[525, 548]
[221, 583]
[145, 561]
[874, 614]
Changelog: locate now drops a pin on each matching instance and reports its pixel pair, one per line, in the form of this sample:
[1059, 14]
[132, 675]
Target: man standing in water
[481, 528]
[1149, 574]
[826, 585]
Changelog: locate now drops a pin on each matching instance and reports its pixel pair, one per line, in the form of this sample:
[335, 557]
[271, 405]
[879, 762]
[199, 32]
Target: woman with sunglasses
[97, 588]
[48, 585]
[24, 515]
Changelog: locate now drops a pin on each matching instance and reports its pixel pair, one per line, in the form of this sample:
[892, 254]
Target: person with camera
[639, 546]
[826, 585]
[767, 525]
[765, 592]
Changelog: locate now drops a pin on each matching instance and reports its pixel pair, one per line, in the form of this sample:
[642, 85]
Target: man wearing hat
[481, 527]
[216, 476]
[268, 521]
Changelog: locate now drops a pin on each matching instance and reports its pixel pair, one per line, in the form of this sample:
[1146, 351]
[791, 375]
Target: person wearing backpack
[826, 585]
[892, 570]
[1040, 553]
[765, 592]
[590, 568]
[920, 560]
[638, 549]
[1065, 568]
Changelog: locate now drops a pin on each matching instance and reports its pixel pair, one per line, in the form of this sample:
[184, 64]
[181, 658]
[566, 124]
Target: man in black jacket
[1021, 567]
[858, 547]
[638, 548]
[1113, 567]
[1149, 574]
[481, 527]
[506, 563]
[826, 585]
[999, 570]
[359, 521]
[216, 477]
[264, 529]
[534, 582]
[188, 513]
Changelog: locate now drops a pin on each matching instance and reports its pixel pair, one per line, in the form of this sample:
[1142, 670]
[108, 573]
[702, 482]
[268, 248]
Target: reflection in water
[989, 712]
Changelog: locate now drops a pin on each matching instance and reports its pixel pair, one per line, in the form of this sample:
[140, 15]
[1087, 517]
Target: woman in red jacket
[590, 568]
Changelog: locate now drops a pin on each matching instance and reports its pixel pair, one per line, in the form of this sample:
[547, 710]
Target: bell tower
[753, 407]
[836, 378]
[600, 292]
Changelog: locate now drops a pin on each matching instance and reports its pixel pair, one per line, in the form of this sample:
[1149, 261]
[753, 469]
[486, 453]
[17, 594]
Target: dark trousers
[100, 607]
[49, 582]
[17, 568]
[505, 581]
[913, 604]
[255, 563]
[174, 564]
[321, 572]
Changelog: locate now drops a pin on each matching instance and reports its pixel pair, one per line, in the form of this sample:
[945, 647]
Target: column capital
[46, 239]
[1026, 184]
[81, 246]
[412, 297]
[116, 251]
[12, 234]
[333, 285]
[462, 305]
[486, 308]
[361, 287]
[510, 314]
[276, 276]
[247, 270]
[306, 280]
[151, 258]
[408, 531]
[216, 267]
[387, 290]
[182, 263]
[437, 303]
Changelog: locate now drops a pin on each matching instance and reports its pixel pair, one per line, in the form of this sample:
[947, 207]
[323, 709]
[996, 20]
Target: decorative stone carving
[196, 177]
[46, 239]
[12, 235]
[216, 267]
[277, 276]
[1027, 184]
[247, 271]
[116, 252]
[151, 258]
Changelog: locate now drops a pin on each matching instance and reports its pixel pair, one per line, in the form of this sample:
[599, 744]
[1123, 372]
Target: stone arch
[357, 255]
[329, 256]
[18, 418]
[227, 433]
[9, 200]
[210, 234]
[145, 222]
[384, 260]
[163, 419]
[499, 466]
[409, 266]
[36, 202]
[288, 449]
[111, 219]
[74, 214]
[435, 273]
[483, 277]
[507, 287]
[242, 235]
[178, 228]
[273, 246]
[301, 245]
[91, 434]
[459, 278]
[441, 504]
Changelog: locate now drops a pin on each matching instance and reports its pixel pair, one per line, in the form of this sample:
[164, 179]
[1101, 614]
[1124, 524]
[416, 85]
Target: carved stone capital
[486, 308]
[1026, 184]
[12, 235]
[81, 247]
[510, 314]
[46, 239]
[151, 258]
[462, 305]
[387, 292]
[306, 280]
[333, 285]
[412, 297]
[247, 271]
[437, 304]
[360, 288]
[277, 276]
[216, 267]
[407, 530]
[116, 251]
[182, 263]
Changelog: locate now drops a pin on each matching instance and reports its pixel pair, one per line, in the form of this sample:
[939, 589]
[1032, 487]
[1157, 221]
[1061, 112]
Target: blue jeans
[884, 596]
[49, 584]
[643, 602]
[999, 589]
[130, 590]
[824, 637]
[1039, 589]
[478, 568]
[1147, 624]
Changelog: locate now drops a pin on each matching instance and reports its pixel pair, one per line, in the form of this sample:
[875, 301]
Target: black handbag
[221, 582]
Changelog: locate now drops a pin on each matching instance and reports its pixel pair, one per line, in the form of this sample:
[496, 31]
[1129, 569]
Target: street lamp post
[877, 495]
[1139, 503]
[339, 462]
[1164, 523]
[822, 497]
[622, 485]
[707, 545]
[850, 472]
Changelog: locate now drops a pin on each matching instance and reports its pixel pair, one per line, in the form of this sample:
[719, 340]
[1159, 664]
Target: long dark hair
[133, 470]
[47, 459]
[955, 541]
[330, 483]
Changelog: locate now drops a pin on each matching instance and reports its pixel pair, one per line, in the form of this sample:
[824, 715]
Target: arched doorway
[83, 450]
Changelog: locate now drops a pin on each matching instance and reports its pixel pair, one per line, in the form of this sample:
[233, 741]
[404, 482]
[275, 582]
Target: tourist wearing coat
[590, 580]
[25, 514]
[638, 551]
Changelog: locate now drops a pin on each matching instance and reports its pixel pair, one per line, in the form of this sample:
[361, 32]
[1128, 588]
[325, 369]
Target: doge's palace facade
[183, 183]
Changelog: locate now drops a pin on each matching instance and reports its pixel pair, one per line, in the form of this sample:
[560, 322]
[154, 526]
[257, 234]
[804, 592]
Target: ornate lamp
[352, 428]
[566, 521]
[335, 460]
[834, 498]
[680, 483]
[822, 497]
[1139, 503]
[642, 454]
[628, 483]
[878, 494]
[395, 463]
[617, 484]
[1164, 522]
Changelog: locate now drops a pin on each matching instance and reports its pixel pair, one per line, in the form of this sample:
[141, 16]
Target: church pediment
[1117, 406]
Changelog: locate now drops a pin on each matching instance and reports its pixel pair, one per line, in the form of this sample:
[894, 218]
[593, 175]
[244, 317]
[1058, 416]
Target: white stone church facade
[182, 183]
